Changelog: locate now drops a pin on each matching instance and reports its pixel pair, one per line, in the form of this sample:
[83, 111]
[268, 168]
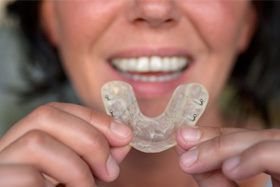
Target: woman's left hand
[223, 156]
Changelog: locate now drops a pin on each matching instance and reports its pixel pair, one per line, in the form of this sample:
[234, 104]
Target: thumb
[214, 178]
[119, 153]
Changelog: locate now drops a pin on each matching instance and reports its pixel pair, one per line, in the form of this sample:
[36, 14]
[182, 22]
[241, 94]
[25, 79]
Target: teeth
[145, 78]
[150, 64]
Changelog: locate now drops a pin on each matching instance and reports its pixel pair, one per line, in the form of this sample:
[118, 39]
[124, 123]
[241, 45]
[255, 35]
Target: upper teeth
[150, 64]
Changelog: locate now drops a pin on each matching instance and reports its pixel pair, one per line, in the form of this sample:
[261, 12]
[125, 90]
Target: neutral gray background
[10, 58]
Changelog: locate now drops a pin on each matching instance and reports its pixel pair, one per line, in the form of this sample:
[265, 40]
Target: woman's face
[155, 45]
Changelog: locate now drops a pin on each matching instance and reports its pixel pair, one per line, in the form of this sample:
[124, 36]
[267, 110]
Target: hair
[43, 58]
[255, 78]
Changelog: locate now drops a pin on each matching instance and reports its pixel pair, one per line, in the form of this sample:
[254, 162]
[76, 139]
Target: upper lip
[141, 51]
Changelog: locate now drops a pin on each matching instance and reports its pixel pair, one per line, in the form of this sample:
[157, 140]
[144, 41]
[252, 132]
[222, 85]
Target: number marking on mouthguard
[155, 134]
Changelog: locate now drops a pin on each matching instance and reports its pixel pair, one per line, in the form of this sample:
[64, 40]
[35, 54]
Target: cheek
[78, 29]
[213, 71]
[219, 22]
[219, 25]
[81, 23]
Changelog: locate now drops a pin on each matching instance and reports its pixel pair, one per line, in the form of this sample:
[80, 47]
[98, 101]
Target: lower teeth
[152, 78]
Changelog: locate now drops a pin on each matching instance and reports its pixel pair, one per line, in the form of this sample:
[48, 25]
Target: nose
[154, 13]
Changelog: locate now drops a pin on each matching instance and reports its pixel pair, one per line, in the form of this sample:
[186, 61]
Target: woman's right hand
[61, 142]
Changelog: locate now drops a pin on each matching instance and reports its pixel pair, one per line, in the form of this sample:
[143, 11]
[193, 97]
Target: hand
[224, 156]
[66, 142]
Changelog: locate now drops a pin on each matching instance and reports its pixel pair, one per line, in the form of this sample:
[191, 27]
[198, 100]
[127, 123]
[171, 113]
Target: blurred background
[11, 56]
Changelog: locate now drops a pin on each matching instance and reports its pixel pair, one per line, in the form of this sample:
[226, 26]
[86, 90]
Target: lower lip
[147, 90]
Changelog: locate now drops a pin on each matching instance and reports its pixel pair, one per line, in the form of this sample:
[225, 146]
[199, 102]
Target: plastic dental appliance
[155, 134]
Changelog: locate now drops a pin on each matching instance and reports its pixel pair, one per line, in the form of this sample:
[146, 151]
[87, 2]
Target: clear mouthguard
[155, 134]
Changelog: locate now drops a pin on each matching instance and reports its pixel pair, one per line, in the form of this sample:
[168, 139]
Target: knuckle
[34, 139]
[219, 144]
[43, 113]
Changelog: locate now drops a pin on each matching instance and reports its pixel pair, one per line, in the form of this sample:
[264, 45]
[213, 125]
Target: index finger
[113, 130]
[209, 155]
[187, 137]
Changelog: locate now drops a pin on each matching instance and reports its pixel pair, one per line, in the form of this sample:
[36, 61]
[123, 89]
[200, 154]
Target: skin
[81, 146]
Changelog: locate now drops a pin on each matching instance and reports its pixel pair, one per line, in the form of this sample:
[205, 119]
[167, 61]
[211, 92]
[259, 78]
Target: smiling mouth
[151, 68]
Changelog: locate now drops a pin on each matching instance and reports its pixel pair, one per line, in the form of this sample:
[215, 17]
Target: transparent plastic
[155, 134]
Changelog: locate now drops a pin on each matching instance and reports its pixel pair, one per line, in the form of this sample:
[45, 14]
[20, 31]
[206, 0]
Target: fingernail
[191, 134]
[231, 163]
[112, 167]
[120, 129]
[189, 158]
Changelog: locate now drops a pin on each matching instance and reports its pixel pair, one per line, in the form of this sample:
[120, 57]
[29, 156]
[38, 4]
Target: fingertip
[187, 137]
[230, 167]
[188, 159]
[119, 153]
[113, 169]
[231, 163]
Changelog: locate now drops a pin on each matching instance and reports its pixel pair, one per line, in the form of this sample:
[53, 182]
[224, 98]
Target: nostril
[169, 20]
[140, 20]
[153, 22]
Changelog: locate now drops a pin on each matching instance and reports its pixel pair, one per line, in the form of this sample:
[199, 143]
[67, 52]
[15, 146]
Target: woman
[80, 146]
